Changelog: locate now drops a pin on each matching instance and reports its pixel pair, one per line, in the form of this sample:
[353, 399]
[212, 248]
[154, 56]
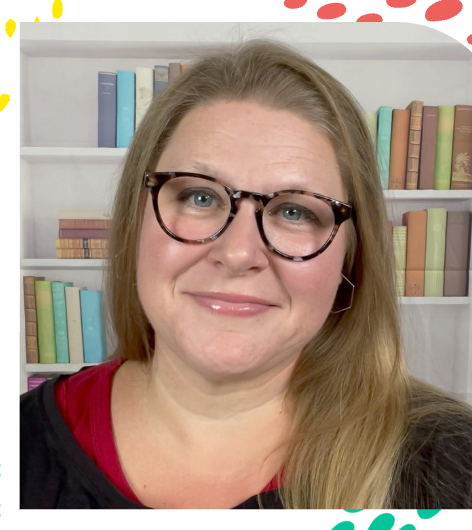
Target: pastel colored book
[31, 328]
[45, 320]
[435, 251]
[144, 91]
[399, 149]
[125, 107]
[60, 320]
[84, 233]
[456, 266]
[443, 163]
[414, 144]
[415, 221]
[384, 133]
[83, 214]
[82, 253]
[399, 251]
[161, 78]
[461, 178]
[35, 380]
[107, 109]
[93, 328]
[74, 324]
[429, 133]
[78, 243]
[85, 224]
[371, 121]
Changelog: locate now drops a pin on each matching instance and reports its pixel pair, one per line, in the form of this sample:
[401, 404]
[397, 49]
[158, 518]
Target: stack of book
[63, 323]
[82, 234]
[423, 147]
[432, 252]
[124, 97]
[36, 379]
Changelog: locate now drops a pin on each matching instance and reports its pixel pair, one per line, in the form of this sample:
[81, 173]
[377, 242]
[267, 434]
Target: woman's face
[187, 291]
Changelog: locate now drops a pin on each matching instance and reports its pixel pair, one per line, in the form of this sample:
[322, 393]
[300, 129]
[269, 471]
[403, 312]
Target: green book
[399, 251]
[435, 251]
[371, 120]
[444, 140]
[45, 321]
[384, 135]
[60, 320]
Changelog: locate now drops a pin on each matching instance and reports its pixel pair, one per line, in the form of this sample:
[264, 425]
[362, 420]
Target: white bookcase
[61, 167]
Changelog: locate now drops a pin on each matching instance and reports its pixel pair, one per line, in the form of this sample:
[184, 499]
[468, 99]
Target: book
[398, 149]
[161, 78]
[456, 265]
[106, 109]
[461, 178]
[45, 320]
[414, 144]
[83, 233]
[384, 132]
[435, 251]
[60, 320]
[144, 92]
[74, 324]
[443, 163]
[415, 221]
[371, 121]
[35, 380]
[85, 223]
[82, 243]
[125, 115]
[82, 214]
[31, 328]
[93, 329]
[175, 70]
[429, 133]
[399, 252]
[82, 253]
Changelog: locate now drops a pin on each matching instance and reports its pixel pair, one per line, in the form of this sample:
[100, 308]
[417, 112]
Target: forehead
[253, 147]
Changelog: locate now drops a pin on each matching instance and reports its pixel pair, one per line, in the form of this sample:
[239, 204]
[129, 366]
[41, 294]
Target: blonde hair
[350, 393]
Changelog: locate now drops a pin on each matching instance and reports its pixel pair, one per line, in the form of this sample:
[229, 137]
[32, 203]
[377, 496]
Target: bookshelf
[61, 167]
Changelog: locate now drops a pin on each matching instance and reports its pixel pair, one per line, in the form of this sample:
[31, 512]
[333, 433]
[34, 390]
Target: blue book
[384, 135]
[106, 109]
[93, 328]
[161, 78]
[60, 320]
[125, 103]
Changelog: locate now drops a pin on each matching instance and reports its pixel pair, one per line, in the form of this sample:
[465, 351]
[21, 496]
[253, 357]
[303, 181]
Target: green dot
[427, 514]
[353, 511]
[408, 527]
[345, 525]
[384, 521]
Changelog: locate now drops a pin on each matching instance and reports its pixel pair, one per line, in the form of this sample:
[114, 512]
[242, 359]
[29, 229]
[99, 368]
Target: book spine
[161, 78]
[415, 221]
[125, 107]
[429, 135]
[35, 381]
[399, 251]
[175, 70]
[144, 91]
[82, 214]
[399, 149]
[74, 324]
[384, 133]
[371, 121]
[106, 109]
[31, 328]
[82, 253]
[82, 243]
[45, 319]
[93, 331]
[456, 266]
[85, 224]
[60, 320]
[443, 164]
[83, 233]
[461, 178]
[414, 144]
[435, 251]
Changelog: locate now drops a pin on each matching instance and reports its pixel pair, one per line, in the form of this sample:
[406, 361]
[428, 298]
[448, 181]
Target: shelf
[435, 300]
[62, 264]
[66, 155]
[55, 368]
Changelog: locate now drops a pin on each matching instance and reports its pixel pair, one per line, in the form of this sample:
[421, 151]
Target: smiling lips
[231, 304]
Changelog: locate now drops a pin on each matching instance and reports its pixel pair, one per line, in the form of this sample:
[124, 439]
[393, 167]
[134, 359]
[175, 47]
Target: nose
[240, 248]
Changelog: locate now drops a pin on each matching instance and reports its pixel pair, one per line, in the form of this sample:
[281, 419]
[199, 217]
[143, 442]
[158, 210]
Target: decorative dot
[469, 39]
[353, 511]
[36, 19]
[384, 521]
[427, 514]
[330, 11]
[370, 17]
[57, 9]
[4, 99]
[408, 527]
[10, 27]
[345, 525]
[443, 10]
[294, 4]
[400, 3]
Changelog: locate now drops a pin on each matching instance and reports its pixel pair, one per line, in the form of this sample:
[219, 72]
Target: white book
[144, 91]
[82, 214]
[74, 325]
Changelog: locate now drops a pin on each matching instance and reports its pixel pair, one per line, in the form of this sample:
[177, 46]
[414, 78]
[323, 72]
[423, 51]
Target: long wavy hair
[350, 393]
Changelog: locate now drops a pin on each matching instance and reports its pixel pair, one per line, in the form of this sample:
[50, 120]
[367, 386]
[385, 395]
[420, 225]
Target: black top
[55, 472]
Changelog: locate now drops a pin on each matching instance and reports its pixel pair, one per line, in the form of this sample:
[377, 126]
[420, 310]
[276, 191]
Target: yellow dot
[4, 99]
[57, 9]
[36, 19]
[10, 27]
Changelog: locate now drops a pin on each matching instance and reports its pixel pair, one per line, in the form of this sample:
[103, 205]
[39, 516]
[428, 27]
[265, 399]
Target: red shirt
[84, 400]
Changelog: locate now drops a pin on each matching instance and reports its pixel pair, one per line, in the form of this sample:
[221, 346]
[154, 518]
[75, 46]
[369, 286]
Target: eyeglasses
[196, 209]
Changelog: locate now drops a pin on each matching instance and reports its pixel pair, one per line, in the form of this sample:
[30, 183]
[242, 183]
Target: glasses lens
[297, 224]
[193, 208]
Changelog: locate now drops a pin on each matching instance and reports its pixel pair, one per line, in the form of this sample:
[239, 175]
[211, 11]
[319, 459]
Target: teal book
[125, 107]
[93, 328]
[60, 320]
[384, 136]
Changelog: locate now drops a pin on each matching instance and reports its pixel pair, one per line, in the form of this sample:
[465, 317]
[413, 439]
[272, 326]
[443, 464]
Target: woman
[259, 361]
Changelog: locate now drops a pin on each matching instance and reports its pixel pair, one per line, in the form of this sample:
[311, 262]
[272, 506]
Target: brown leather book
[461, 178]
[85, 223]
[82, 243]
[429, 132]
[414, 144]
[399, 149]
[31, 331]
[82, 253]
[83, 233]
[456, 266]
[415, 221]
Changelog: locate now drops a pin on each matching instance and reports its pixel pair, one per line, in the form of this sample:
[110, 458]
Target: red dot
[469, 39]
[400, 3]
[443, 10]
[370, 17]
[330, 11]
[294, 4]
